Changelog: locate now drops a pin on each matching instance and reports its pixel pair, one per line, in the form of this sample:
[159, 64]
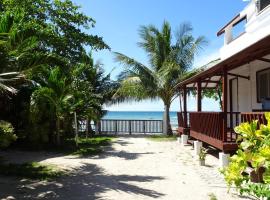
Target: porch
[236, 79]
[208, 127]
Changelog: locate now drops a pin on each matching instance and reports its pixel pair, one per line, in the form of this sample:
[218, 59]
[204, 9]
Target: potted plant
[202, 156]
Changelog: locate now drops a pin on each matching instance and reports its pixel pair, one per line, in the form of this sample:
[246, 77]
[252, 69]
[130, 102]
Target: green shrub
[254, 151]
[6, 134]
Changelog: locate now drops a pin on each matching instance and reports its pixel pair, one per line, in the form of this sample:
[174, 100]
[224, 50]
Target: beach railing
[117, 126]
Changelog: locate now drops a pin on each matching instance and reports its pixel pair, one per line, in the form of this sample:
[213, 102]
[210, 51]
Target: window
[239, 28]
[262, 4]
[263, 85]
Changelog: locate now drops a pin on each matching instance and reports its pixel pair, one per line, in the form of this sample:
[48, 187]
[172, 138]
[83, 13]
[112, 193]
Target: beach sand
[131, 169]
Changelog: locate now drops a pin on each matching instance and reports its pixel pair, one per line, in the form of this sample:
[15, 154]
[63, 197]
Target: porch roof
[211, 76]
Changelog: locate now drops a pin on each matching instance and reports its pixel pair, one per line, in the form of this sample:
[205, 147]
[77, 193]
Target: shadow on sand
[88, 182]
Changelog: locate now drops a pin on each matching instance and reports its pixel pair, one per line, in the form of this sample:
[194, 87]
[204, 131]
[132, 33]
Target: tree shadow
[88, 182]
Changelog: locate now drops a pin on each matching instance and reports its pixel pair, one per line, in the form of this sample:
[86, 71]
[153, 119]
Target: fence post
[129, 124]
[143, 126]
[115, 126]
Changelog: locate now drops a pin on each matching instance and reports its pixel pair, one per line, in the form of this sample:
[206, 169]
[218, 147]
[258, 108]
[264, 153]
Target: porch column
[224, 103]
[199, 96]
[185, 105]
[184, 137]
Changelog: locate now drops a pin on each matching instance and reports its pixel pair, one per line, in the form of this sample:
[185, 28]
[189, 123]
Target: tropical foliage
[170, 60]
[254, 152]
[46, 75]
[6, 134]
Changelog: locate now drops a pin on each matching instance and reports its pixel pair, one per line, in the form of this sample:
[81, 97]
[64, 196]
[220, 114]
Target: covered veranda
[217, 128]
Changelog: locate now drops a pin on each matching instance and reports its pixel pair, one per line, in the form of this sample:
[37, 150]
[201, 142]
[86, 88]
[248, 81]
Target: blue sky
[118, 21]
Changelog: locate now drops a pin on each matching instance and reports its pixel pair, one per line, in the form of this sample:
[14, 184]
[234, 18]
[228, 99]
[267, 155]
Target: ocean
[140, 115]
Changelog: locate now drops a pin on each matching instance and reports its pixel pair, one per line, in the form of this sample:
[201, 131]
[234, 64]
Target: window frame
[257, 83]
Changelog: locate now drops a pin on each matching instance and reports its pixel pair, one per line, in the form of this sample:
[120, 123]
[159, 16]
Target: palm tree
[92, 87]
[56, 94]
[169, 60]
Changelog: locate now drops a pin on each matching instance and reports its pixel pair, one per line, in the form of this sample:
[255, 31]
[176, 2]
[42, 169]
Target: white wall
[247, 89]
[256, 28]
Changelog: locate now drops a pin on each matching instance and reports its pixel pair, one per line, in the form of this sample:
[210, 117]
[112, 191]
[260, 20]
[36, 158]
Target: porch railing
[207, 123]
[211, 123]
[250, 116]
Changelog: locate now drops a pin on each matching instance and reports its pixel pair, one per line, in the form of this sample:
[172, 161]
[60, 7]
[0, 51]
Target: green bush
[254, 151]
[6, 134]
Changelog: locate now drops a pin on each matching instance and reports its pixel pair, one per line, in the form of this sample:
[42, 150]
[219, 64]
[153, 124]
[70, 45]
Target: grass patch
[32, 170]
[162, 138]
[86, 146]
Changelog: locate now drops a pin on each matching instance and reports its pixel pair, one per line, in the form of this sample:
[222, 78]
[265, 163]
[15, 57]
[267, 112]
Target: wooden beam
[199, 96]
[239, 76]
[224, 103]
[185, 105]
[206, 84]
[264, 60]
[210, 81]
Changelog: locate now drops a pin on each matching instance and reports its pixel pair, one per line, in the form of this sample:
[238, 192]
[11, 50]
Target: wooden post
[115, 126]
[225, 103]
[129, 124]
[185, 106]
[199, 96]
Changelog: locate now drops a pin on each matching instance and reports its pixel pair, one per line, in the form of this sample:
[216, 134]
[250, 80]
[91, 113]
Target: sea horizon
[140, 115]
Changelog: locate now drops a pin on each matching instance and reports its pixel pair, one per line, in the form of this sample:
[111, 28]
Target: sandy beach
[132, 168]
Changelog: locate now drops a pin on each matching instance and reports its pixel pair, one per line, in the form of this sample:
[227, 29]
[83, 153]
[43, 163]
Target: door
[234, 106]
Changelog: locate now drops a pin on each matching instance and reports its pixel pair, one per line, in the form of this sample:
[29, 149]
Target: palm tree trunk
[58, 142]
[167, 129]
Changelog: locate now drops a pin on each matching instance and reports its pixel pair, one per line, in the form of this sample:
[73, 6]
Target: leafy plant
[6, 134]
[254, 151]
[212, 196]
[202, 154]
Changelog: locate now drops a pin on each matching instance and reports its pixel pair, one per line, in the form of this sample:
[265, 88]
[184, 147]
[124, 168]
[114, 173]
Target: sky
[118, 21]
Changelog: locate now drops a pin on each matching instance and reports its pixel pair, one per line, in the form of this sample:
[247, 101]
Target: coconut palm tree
[56, 95]
[169, 61]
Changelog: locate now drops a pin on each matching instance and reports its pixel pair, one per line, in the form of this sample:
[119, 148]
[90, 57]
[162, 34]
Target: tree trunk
[76, 128]
[167, 129]
[58, 142]
[87, 127]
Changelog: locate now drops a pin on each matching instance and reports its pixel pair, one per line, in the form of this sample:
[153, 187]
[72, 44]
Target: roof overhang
[254, 52]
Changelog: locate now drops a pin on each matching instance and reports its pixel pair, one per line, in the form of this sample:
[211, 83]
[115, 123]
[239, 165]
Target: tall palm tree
[169, 59]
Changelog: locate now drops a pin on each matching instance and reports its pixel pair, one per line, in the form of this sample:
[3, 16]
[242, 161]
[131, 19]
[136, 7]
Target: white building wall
[247, 89]
[256, 28]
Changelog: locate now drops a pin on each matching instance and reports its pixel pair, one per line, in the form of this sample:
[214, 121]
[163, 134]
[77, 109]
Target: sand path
[131, 169]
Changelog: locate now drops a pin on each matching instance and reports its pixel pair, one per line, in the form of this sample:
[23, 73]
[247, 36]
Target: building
[244, 73]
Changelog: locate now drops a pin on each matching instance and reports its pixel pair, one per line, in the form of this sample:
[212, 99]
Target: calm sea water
[140, 115]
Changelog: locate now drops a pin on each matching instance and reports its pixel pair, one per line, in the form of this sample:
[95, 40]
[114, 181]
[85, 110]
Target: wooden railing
[207, 123]
[180, 117]
[130, 126]
[249, 117]
[211, 124]
[233, 120]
